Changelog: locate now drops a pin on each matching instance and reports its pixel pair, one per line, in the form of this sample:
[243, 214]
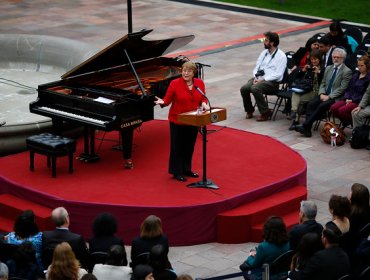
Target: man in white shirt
[267, 74]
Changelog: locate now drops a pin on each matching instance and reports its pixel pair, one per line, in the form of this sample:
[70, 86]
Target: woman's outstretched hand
[158, 101]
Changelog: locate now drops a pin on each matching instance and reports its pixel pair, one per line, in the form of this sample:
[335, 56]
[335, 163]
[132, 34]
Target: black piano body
[113, 90]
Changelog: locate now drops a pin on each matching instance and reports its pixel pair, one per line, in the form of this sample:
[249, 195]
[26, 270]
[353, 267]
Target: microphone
[204, 95]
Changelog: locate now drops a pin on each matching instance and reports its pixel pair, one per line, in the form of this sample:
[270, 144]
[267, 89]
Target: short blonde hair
[190, 65]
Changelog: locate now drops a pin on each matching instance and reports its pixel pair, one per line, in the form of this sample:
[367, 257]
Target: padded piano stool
[52, 146]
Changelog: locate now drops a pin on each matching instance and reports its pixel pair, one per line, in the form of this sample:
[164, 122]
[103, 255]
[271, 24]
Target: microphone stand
[205, 183]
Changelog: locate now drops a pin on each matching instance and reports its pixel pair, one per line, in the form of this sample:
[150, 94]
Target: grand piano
[113, 90]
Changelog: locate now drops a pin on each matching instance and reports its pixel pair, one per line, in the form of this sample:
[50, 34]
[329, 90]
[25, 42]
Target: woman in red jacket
[184, 95]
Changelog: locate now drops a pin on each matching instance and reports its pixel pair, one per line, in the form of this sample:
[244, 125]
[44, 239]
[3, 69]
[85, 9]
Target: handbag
[330, 130]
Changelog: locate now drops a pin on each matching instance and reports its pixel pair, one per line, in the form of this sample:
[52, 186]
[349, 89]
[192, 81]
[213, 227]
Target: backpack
[360, 136]
[328, 130]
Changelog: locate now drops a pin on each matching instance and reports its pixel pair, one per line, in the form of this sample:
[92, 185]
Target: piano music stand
[201, 120]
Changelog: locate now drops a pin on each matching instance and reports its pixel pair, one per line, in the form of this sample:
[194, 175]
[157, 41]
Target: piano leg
[89, 146]
[127, 136]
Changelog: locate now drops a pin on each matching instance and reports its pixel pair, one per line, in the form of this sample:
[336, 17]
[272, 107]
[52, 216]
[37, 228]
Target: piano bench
[52, 146]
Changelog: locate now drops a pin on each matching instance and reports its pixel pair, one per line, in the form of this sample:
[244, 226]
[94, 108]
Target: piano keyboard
[73, 116]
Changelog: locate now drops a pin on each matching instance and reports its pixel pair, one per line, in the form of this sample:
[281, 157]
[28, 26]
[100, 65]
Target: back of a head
[151, 227]
[89, 276]
[331, 234]
[105, 224]
[274, 231]
[340, 206]
[4, 273]
[64, 264]
[184, 277]
[63, 252]
[25, 225]
[141, 271]
[116, 255]
[158, 258]
[359, 198]
[309, 209]
[59, 216]
[309, 244]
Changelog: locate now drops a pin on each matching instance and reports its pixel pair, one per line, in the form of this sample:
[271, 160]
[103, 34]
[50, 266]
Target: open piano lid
[137, 49]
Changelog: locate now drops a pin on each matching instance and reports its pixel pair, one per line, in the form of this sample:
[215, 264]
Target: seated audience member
[268, 72]
[340, 208]
[310, 72]
[309, 244]
[26, 230]
[332, 87]
[359, 217]
[360, 208]
[104, 228]
[3, 271]
[326, 50]
[23, 263]
[307, 223]
[158, 260]
[362, 111]
[151, 233]
[275, 242]
[362, 257]
[337, 36]
[50, 239]
[302, 56]
[115, 267]
[184, 277]
[64, 266]
[89, 276]
[357, 86]
[142, 272]
[330, 263]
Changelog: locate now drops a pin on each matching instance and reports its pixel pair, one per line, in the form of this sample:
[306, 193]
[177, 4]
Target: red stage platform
[246, 167]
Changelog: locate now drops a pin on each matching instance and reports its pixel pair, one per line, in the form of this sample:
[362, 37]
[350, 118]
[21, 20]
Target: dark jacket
[327, 264]
[50, 239]
[296, 233]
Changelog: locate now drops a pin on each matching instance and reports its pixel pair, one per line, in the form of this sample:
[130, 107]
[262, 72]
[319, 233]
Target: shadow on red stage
[245, 166]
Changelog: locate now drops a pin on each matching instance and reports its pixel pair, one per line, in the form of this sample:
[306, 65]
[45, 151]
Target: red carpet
[244, 165]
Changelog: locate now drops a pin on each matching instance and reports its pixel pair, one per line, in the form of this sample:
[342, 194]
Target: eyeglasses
[337, 57]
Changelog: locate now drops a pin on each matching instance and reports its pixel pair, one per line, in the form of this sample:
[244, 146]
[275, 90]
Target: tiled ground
[99, 23]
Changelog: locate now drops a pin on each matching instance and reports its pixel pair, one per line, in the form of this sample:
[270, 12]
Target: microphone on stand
[204, 95]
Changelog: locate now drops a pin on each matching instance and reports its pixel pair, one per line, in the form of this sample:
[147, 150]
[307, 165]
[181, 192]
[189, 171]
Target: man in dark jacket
[50, 239]
[330, 263]
[307, 223]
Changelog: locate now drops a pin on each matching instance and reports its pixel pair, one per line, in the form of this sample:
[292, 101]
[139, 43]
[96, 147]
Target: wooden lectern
[202, 120]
